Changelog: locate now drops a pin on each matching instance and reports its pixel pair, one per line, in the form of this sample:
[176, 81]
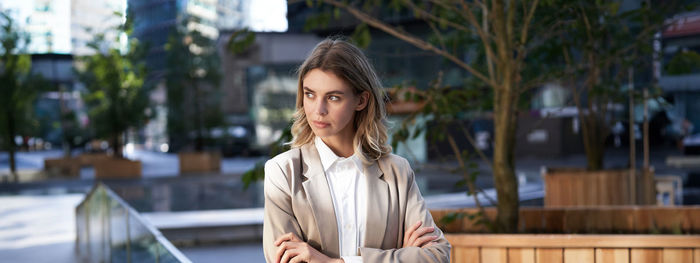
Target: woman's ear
[364, 98]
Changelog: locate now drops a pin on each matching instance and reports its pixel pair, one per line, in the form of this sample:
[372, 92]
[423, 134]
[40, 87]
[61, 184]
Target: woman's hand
[416, 237]
[292, 249]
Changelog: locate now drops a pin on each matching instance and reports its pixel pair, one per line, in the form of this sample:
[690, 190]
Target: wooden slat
[570, 191]
[612, 255]
[643, 221]
[530, 220]
[549, 255]
[575, 241]
[601, 220]
[552, 195]
[464, 254]
[578, 190]
[562, 196]
[575, 221]
[622, 219]
[627, 187]
[696, 255]
[613, 195]
[579, 255]
[494, 255]
[553, 220]
[521, 255]
[603, 196]
[677, 255]
[670, 219]
[646, 255]
[694, 218]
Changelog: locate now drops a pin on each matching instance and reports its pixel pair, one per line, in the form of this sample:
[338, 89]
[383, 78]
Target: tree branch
[476, 149]
[426, 14]
[525, 29]
[417, 42]
[482, 32]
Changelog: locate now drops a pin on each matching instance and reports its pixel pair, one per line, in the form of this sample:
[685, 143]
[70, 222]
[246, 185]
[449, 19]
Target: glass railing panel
[81, 229]
[96, 226]
[143, 243]
[164, 256]
[118, 224]
[109, 230]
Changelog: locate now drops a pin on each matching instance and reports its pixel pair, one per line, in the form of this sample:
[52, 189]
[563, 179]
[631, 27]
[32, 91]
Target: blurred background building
[257, 91]
[679, 74]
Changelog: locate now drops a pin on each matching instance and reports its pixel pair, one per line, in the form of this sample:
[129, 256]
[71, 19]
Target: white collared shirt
[349, 193]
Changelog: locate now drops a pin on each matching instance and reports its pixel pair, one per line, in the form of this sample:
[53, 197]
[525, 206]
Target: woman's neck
[340, 146]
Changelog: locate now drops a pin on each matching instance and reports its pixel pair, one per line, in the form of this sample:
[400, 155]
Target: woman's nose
[321, 108]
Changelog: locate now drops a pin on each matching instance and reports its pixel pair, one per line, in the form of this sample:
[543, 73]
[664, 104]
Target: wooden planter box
[578, 187]
[89, 159]
[566, 248]
[399, 104]
[475, 247]
[62, 167]
[610, 219]
[199, 162]
[115, 168]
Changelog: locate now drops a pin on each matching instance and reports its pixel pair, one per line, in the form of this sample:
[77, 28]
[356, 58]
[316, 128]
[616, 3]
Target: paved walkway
[240, 252]
[38, 228]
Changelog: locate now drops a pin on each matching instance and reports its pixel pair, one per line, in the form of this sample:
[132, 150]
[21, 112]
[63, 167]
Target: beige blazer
[298, 200]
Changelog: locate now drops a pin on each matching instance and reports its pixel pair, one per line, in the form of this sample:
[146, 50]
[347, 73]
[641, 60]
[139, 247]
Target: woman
[339, 195]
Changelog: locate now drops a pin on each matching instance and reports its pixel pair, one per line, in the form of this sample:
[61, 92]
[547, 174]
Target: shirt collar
[328, 157]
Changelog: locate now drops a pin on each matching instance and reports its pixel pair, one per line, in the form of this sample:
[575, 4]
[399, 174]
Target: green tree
[599, 46]
[19, 88]
[117, 98]
[192, 79]
[683, 62]
[508, 49]
[504, 41]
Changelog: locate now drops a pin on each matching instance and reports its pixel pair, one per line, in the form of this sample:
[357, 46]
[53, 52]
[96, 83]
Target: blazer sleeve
[438, 251]
[279, 218]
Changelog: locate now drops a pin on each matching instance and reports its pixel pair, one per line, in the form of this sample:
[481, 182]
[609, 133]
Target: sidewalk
[38, 228]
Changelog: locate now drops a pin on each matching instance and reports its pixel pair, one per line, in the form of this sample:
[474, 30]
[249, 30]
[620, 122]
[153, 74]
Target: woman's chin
[322, 132]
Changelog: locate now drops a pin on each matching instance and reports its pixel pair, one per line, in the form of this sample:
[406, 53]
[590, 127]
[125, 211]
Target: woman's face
[330, 104]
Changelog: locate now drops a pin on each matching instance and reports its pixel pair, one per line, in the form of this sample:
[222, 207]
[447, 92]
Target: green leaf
[361, 36]
[452, 217]
[240, 41]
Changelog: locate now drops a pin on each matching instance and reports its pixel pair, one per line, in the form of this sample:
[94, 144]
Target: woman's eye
[309, 95]
[334, 98]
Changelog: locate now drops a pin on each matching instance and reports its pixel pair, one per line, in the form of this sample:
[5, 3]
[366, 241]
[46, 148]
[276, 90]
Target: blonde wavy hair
[348, 63]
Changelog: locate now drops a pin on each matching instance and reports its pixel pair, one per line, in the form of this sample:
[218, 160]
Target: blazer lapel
[319, 196]
[377, 206]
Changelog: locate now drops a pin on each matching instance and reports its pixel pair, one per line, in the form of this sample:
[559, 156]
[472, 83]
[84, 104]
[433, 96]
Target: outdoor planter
[199, 162]
[618, 234]
[114, 168]
[595, 220]
[401, 105]
[68, 167]
[566, 248]
[579, 187]
[404, 107]
[89, 159]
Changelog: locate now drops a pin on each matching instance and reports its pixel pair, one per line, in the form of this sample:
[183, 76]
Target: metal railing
[109, 230]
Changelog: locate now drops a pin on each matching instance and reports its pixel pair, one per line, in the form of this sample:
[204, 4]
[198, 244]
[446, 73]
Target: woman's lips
[320, 124]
